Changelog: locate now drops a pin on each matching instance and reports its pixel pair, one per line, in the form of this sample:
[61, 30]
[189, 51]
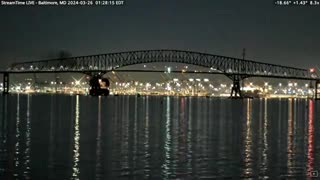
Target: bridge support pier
[316, 93]
[235, 90]
[236, 87]
[6, 83]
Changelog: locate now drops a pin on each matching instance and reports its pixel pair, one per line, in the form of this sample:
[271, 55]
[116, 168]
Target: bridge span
[97, 65]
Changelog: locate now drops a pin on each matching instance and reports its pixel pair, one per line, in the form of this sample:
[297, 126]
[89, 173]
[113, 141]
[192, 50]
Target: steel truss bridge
[234, 68]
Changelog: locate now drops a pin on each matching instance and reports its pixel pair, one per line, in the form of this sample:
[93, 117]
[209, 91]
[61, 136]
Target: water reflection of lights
[248, 141]
[76, 148]
[189, 138]
[135, 131]
[183, 122]
[265, 137]
[28, 139]
[4, 145]
[167, 145]
[17, 145]
[98, 146]
[290, 149]
[120, 110]
[222, 132]
[146, 142]
[311, 137]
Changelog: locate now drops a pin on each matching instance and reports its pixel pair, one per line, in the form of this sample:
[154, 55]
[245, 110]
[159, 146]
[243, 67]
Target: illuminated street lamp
[191, 80]
[205, 80]
[175, 79]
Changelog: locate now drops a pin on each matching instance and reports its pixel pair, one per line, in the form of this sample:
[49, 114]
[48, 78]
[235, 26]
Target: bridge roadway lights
[6, 83]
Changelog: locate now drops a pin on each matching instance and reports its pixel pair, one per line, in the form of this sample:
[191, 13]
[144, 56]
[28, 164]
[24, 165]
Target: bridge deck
[157, 71]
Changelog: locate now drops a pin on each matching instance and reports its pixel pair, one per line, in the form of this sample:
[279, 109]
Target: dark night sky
[281, 35]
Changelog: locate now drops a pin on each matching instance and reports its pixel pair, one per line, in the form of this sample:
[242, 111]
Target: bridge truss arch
[112, 61]
[234, 68]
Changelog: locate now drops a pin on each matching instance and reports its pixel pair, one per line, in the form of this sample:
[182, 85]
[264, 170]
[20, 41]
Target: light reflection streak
[260, 135]
[76, 148]
[9, 139]
[311, 137]
[135, 133]
[183, 124]
[17, 145]
[281, 141]
[98, 140]
[248, 141]
[3, 132]
[204, 132]
[265, 137]
[167, 145]
[125, 166]
[28, 139]
[189, 136]
[146, 142]
[290, 149]
[279, 125]
[198, 144]
[175, 125]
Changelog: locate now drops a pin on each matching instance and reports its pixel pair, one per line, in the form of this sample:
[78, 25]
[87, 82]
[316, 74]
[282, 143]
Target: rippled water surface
[128, 137]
